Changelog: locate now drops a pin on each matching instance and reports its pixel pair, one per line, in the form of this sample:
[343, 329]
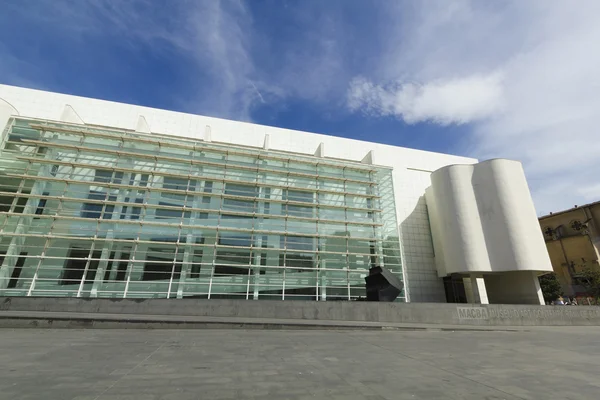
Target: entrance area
[455, 289]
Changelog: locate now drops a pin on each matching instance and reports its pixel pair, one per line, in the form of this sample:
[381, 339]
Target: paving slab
[110, 364]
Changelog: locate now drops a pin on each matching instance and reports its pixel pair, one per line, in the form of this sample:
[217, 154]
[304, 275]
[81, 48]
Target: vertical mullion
[174, 265]
[212, 271]
[318, 268]
[249, 274]
[142, 218]
[347, 240]
[35, 274]
[348, 274]
[87, 265]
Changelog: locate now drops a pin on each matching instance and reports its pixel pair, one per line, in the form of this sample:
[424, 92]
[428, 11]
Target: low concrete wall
[422, 313]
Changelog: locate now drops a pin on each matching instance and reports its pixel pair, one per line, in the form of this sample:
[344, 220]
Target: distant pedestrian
[574, 301]
[559, 301]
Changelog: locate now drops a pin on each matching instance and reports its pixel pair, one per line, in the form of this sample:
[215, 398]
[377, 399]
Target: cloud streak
[232, 62]
[212, 39]
[445, 102]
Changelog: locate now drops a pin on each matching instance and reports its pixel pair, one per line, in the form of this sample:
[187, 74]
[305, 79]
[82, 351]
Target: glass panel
[254, 224]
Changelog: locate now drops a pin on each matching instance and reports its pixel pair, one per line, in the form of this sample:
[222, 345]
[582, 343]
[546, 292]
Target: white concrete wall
[415, 233]
[483, 220]
[412, 168]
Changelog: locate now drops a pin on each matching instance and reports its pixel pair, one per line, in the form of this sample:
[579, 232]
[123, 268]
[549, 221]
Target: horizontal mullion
[93, 239]
[187, 192]
[191, 161]
[184, 263]
[182, 226]
[187, 209]
[174, 244]
[192, 177]
[129, 136]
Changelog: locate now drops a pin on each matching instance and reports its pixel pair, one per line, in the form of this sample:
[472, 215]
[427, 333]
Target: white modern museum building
[103, 199]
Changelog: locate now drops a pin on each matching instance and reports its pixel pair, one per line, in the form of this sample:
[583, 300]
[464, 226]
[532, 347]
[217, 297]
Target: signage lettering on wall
[549, 312]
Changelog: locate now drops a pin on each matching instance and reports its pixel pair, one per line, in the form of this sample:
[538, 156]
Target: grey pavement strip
[111, 364]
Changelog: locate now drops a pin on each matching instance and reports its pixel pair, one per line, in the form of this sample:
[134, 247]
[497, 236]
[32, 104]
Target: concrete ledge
[408, 313]
[54, 320]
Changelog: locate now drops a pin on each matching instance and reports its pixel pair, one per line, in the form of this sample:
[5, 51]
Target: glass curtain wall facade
[90, 211]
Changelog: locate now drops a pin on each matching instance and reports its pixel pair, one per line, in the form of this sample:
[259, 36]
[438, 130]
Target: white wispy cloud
[213, 37]
[452, 101]
[227, 59]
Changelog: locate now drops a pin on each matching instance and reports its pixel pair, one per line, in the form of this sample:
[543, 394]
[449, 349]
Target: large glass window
[181, 184]
[78, 263]
[161, 264]
[107, 176]
[174, 217]
[296, 210]
[236, 204]
[98, 210]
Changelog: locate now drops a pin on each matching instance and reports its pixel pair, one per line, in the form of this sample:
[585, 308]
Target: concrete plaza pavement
[128, 364]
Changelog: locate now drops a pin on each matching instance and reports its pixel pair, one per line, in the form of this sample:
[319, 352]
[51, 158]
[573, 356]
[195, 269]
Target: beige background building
[572, 238]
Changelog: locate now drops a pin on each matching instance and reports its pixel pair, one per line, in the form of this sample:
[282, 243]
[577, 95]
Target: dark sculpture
[382, 285]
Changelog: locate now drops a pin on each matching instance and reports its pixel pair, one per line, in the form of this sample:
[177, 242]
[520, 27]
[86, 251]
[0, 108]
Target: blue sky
[507, 79]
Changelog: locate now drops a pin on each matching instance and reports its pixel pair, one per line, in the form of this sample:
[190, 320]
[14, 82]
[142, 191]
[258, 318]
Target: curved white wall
[483, 220]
